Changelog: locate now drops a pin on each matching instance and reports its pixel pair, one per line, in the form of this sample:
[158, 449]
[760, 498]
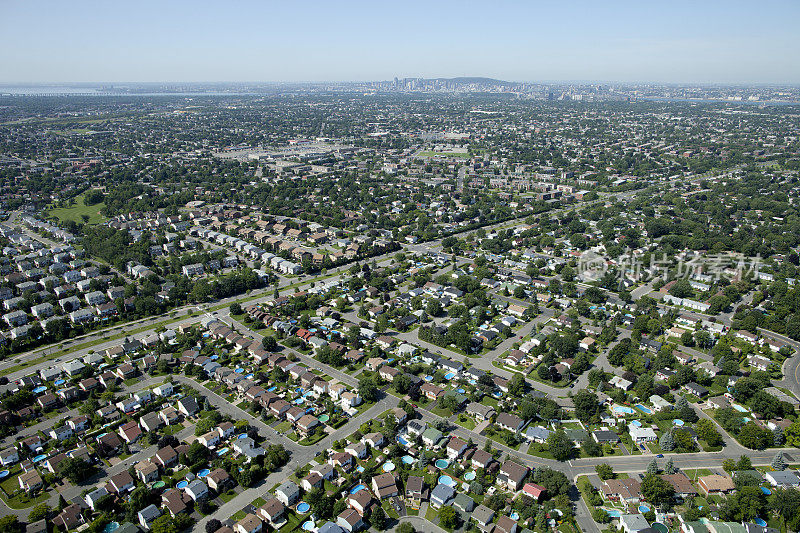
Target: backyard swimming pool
[222, 452]
[357, 488]
[613, 513]
[644, 509]
[636, 423]
[678, 422]
[407, 460]
[739, 408]
[449, 375]
[40, 457]
[308, 525]
[446, 480]
[469, 476]
[111, 526]
[203, 473]
[622, 410]
[303, 507]
[642, 408]
[388, 466]
[3, 473]
[182, 484]
[441, 464]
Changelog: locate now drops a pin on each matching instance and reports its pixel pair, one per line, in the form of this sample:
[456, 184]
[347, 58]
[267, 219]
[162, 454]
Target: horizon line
[353, 82]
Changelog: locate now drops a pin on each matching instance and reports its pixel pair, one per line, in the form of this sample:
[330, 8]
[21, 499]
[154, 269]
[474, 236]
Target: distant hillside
[477, 80]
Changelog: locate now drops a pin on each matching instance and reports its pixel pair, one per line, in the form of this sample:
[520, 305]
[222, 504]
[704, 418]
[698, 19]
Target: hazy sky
[175, 40]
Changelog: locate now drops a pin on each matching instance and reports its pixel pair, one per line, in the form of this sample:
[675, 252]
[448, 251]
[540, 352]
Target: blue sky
[176, 40]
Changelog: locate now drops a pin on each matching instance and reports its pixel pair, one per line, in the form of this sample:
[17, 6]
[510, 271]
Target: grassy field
[76, 212]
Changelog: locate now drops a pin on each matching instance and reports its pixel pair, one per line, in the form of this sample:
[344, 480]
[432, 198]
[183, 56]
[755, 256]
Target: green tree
[367, 389]
[448, 518]
[707, 431]
[378, 519]
[586, 405]
[39, 512]
[517, 385]
[604, 471]
[755, 437]
[561, 446]
[667, 441]
[164, 524]
[657, 490]
[777, 462]
[406, 527]
[10, 524]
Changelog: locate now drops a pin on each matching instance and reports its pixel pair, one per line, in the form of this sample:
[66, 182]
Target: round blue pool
[407, 460]
[239, 370]
[182, 484]
[460, 391]
[760, 522]
[40, 389]
[469, 476]
[303, 507]
[308, 525]
[388, 466]
[357, 488]
[203, 473]
[441, 464]
[446, 480]
[59, 382]
[514, 515]
[678, 422]
[427, 378]
[242, 436]
[644, 509]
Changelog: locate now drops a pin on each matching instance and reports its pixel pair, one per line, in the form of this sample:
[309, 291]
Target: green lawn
[227, 496]
[76, 212]
[467, 422]
[443, 154]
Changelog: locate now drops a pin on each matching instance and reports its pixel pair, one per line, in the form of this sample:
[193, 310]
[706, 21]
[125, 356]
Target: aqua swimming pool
[446, 480]
[642, 408]
[441, 464]
[357, 488]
